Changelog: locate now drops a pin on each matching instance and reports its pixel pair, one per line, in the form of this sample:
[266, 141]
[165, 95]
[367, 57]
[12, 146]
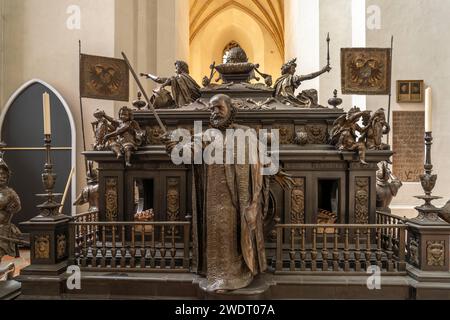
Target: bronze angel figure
[343, 134]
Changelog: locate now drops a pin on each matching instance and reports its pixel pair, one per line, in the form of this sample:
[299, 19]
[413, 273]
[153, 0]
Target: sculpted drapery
[229, 204]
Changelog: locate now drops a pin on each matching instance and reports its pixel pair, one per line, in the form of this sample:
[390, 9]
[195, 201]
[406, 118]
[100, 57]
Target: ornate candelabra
[50, 207]
[428, 213]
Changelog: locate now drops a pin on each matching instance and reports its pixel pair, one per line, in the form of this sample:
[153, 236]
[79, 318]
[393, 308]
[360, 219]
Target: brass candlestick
[428, 212]
[50, 207]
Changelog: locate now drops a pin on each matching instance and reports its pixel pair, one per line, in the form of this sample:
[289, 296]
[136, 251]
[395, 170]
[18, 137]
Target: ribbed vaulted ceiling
[268, 13]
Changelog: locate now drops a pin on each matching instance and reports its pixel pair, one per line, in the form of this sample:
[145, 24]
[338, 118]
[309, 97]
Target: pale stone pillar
[172, 34]
[302, 37]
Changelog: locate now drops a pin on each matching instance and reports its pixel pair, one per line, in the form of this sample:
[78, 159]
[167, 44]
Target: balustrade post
[72, 244]
[279, 257]
[401, 266]
[186, 232]
[429, 240]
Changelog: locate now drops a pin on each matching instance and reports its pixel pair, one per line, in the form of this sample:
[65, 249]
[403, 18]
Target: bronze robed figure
[344, 133]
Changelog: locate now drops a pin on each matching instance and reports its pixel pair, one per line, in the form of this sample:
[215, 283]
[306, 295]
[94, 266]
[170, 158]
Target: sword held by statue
[150, 105]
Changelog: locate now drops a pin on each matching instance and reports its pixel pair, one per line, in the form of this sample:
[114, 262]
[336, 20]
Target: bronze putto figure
[375, 127]
[344, 133]
[122, 136]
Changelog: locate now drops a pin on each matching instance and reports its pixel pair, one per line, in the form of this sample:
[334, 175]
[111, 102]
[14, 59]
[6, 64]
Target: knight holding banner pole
[184, 88]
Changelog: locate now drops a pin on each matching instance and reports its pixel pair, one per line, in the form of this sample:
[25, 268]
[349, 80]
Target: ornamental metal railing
[340, 248]
[136, 246]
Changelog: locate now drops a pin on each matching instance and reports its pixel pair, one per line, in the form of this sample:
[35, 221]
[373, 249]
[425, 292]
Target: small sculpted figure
[286, 85]
[184, 88]
[127, 136]
[375, 127]
[344, 133]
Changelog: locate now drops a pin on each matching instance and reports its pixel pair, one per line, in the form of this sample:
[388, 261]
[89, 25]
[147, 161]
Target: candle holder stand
[428, 213]
[49, 209]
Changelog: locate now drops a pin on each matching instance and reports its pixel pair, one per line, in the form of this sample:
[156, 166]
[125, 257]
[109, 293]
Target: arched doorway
[21, 127]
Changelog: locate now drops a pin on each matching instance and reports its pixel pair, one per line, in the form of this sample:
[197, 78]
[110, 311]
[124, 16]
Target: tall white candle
[46, 113]
[428, 110]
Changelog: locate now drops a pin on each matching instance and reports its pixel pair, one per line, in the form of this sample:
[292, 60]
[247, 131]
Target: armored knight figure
[9, 206]
[387, 187]
[343, 134]
[89, 194]
[127, 136]
[184, 88]
[286, 85]
[375, 127]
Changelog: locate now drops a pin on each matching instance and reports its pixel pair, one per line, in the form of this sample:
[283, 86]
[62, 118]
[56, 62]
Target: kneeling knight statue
[9, 206]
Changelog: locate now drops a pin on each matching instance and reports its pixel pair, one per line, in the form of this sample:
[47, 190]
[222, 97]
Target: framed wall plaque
[410, 91]
[408, 128]
[366, 71]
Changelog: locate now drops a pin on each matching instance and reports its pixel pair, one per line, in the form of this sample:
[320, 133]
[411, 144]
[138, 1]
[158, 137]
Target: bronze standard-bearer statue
[184, 88]
[126, 137]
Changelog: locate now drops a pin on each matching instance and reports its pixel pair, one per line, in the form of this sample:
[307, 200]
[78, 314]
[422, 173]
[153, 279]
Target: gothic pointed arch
[21, 128]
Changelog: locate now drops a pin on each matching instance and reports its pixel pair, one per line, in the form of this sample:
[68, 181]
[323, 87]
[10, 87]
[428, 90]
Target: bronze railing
[86, 217]
[340, 248]
[390, 235]
[388, 218]
[136, 246]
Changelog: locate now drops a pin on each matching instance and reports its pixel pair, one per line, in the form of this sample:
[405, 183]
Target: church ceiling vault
[268, 13]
